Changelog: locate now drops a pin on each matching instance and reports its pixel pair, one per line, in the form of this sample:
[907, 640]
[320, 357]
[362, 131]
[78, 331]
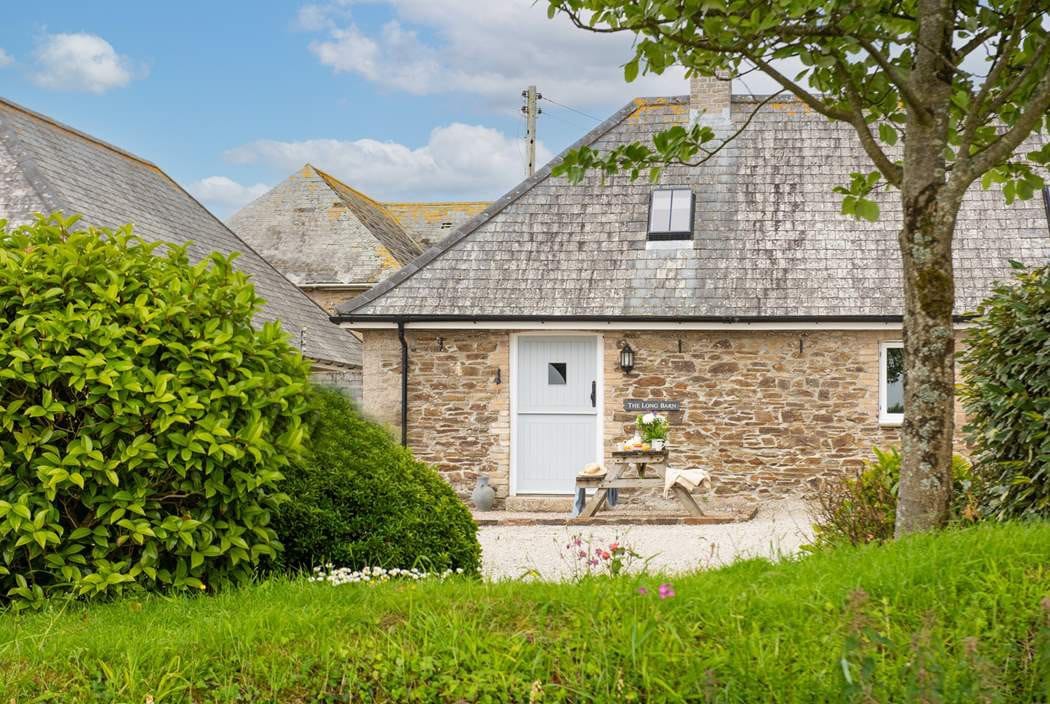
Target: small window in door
[556, 373]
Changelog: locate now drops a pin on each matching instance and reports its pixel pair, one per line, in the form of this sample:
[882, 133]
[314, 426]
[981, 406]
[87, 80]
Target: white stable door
[556, 389]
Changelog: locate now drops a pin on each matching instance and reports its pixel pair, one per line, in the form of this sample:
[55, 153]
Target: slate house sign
[633, 404]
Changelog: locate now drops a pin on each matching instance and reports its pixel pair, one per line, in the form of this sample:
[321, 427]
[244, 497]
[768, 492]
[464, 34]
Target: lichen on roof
[769, 240]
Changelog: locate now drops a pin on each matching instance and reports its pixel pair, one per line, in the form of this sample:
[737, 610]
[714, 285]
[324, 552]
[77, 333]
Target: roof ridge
[335, 184]
[435, 202]
[328, 178]
[78, 134]
[458, 235]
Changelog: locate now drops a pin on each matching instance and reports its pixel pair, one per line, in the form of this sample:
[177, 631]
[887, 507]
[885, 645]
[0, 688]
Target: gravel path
[540, 551]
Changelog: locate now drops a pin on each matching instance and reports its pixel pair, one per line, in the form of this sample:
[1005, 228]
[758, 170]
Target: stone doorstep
[636, 519]
[538, 503]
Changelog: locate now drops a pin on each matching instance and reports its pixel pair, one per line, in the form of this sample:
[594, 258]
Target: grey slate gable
[46, 166]
[769, 240]
[317, 230]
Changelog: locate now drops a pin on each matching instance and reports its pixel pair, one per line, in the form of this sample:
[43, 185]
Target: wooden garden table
[632, 469]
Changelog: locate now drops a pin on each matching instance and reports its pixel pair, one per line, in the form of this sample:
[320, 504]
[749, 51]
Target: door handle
[594, 394]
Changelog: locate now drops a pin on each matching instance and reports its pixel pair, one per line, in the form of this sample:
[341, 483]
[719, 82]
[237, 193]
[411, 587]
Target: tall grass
[961, 616]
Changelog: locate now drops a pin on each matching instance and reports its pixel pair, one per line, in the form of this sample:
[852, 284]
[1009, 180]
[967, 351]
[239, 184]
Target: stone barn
[764, 322]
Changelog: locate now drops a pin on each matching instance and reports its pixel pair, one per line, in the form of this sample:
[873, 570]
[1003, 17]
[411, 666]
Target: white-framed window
[891, 383]
[671, 214]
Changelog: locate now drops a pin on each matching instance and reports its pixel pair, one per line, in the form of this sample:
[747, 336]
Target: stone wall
[459, 400]
[768, 412]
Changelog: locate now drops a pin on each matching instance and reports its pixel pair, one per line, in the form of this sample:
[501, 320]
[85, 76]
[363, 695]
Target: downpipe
[404, 383]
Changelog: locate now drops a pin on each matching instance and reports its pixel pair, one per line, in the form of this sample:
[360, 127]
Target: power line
[569, 107]
[571, 121]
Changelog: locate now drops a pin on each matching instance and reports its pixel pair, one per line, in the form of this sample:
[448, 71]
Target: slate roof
[769, 240]
[46, 166]
[318, 230]
[429, 223]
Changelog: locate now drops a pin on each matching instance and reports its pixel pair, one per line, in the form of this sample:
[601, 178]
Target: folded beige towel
[689, 479]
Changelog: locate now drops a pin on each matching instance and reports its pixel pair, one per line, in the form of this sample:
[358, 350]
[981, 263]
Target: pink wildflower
[643, 591]
[666, 591]
[582, 553]
[614, 547]
[605, 555]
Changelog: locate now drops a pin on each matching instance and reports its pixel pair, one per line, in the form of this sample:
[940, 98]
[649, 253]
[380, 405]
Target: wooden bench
[632, 469]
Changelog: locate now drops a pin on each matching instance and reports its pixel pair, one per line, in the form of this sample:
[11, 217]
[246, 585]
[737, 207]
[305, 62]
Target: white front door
[558, 411]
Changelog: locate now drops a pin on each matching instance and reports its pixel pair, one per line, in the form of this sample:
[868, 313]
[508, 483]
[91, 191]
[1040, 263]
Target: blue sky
[405, 99]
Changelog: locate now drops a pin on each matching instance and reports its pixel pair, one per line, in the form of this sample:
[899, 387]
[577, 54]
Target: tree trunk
[929, 369]
[929, 210]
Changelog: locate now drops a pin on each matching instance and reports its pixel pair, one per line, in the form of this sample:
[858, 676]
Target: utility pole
[531, 112]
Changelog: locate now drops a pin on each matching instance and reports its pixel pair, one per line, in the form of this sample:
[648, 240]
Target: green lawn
[963, 616]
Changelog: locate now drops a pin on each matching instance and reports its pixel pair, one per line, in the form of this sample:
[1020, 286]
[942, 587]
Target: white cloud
[224, 195]
[458, 161]
[5, 59]
[80, 62]
[491, 49]
[315, 17]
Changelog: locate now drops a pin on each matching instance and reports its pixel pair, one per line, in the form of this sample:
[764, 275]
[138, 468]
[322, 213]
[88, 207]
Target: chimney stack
[711, 96]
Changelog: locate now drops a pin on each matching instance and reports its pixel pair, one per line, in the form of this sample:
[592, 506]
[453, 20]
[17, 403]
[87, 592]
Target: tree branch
[1034, 66]
[969, 167]
[711, 154]
[891, 171]
[909, 95]
[798, 91]
[976, 118]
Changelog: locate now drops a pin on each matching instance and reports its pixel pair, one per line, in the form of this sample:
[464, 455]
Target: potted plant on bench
[653, 429]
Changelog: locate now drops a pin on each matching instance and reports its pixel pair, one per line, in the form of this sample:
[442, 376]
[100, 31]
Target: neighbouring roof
[429, 223]
[46, 166]
[769, 239]
[318, 230]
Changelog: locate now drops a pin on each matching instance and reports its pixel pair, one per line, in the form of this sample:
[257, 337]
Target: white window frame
[885, 417]
[669, 235]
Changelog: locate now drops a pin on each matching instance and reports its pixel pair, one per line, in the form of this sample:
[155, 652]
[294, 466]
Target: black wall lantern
[626, 358]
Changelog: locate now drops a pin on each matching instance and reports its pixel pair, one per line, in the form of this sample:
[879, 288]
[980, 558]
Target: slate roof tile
[46, 166]
[769, 239]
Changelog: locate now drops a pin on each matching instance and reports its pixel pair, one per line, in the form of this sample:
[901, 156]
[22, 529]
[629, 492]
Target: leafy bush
[143, 421]
[863, 509]
[360, 499]
[1006, 393]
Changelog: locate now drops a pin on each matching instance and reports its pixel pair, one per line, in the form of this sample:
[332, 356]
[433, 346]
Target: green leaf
[867, 209]
[630, 70]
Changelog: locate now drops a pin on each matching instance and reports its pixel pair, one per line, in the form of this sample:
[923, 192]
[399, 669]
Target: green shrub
[1006, 393]
[143, 421]
[863, 509]
[360, 499]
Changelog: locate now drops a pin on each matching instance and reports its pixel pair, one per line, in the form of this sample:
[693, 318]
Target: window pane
[660, 211]
[894, 380]
[556, 373]
[681, 211]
